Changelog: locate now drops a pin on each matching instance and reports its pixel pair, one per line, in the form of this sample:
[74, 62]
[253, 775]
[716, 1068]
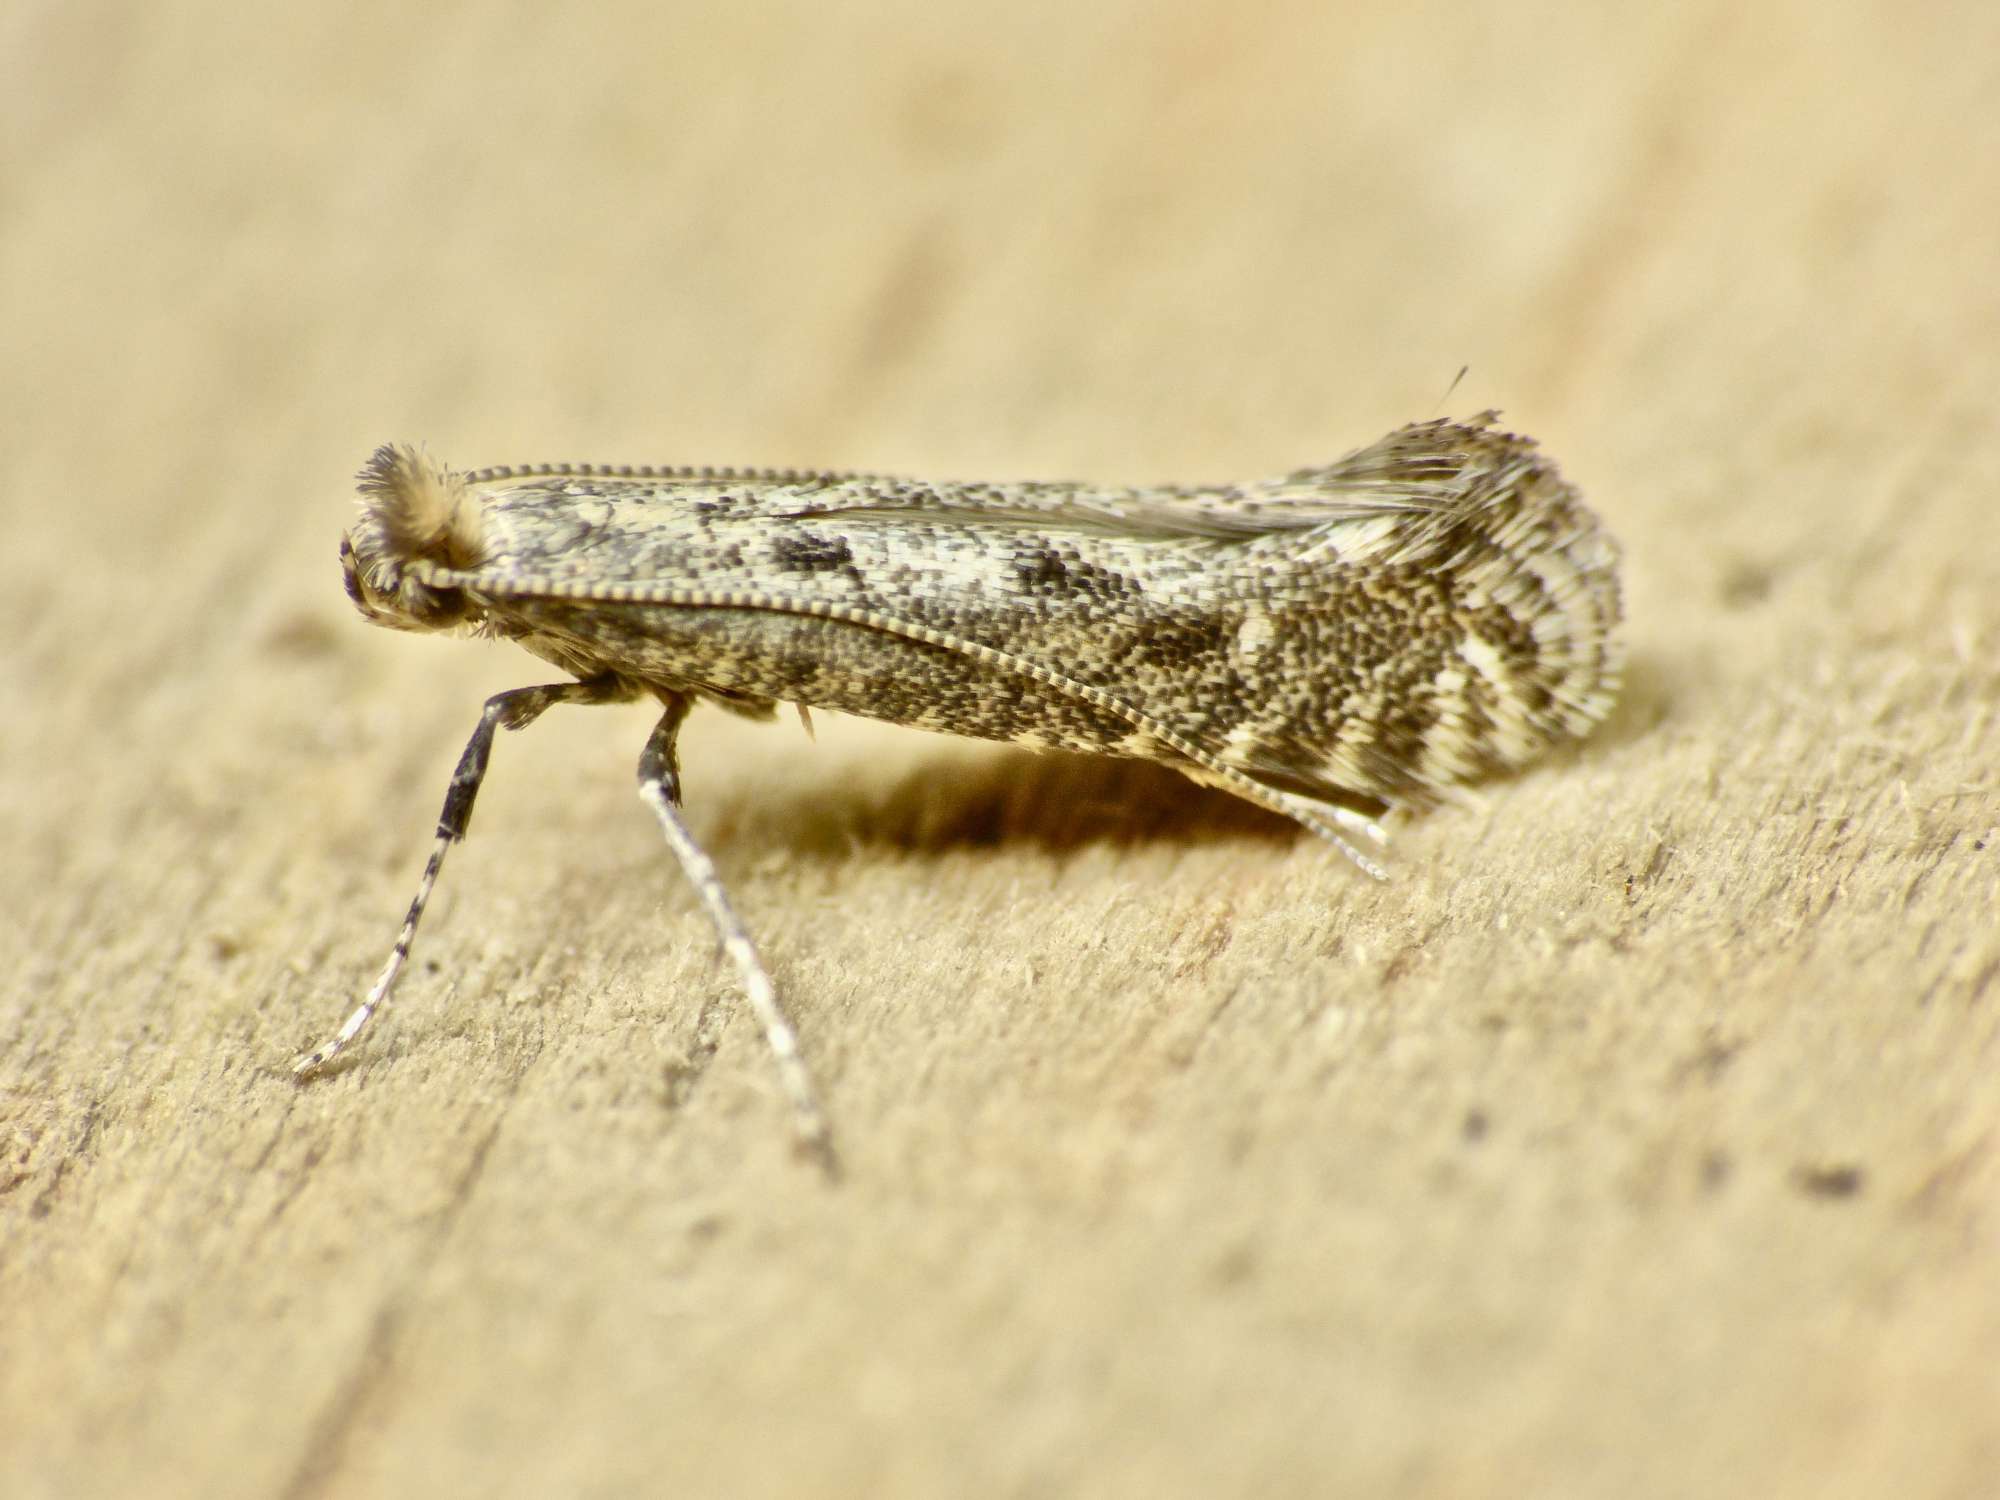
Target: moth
[1345, 640]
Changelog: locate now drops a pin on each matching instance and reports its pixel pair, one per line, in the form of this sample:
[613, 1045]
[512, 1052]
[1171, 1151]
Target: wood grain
[1640, 1138]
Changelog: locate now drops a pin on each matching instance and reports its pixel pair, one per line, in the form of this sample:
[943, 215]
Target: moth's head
[418, 519]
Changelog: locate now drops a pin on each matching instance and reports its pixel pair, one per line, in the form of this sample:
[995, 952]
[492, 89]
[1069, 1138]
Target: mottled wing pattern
[1432, 608]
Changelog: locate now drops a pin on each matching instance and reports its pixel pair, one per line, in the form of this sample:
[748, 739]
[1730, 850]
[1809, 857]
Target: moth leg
[512, 710]
[660, 789]
[1333, 823]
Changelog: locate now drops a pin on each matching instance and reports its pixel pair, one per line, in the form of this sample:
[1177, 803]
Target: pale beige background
[1640, 1139]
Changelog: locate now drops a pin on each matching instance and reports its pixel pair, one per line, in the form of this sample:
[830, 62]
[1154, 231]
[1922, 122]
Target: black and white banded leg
[660, 789]
[511, 710]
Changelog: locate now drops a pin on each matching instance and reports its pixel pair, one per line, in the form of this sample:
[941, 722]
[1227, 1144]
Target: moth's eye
[418, 606]
[386, 595]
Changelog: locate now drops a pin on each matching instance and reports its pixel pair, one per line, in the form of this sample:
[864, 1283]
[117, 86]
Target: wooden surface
[1642, 1138]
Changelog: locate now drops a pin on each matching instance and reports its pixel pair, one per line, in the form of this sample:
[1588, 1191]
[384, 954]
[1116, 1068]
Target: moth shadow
[1056, 802]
